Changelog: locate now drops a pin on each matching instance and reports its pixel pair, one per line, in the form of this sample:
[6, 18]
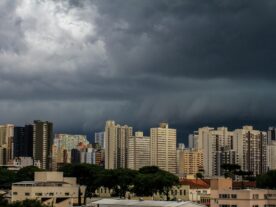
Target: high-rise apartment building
[271, 156]
[271, 134]
[189, 161]
[163, 147]
[116, 145]
[23, 141]
[99, 139]
[211, 140]
[6, 143]
[251, 146]
[225, 156]
[191, 141]
[138, 151]
[42, 143]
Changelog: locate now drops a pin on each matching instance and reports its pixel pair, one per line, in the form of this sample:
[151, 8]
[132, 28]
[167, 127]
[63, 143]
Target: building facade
[189, 161]
[138, 151]
[271, 156]
[99, 139]
[42, 143]
[51, 188]
[63, 144]
[223, 195]
[6, 143]
[23, 141]
[116, 139]
[211, 140]
[251, 146]
[163, 147]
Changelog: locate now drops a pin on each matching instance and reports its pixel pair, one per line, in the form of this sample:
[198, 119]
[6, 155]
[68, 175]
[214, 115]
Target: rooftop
[195, 183]
[119, 202]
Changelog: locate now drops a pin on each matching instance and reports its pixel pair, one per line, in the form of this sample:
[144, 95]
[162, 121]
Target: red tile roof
[195, 183]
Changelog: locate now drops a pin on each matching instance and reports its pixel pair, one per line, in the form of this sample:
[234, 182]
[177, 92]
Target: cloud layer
[192, 63]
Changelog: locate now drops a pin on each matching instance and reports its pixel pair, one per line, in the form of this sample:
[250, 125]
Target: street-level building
[223, 195]
[51, 188]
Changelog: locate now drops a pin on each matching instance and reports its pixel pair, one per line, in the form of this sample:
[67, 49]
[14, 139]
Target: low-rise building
[50, 188]
[223, 195]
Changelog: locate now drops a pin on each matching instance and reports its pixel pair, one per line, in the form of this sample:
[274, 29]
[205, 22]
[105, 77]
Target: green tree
[27, 203]
[151, 180]
[86, 174]
[7, 177]
[267, 180]
[119, 180]
[27, 173]
[230, 170]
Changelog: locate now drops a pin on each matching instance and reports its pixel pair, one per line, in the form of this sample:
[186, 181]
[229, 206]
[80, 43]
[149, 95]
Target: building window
[14, 193]
[67, 194]
[255, 196]
[27, 194]
[233, 205]
[233, 195]
[51, 194]
[38, 194]
[184, 192]
[224, 196]
[180, 192]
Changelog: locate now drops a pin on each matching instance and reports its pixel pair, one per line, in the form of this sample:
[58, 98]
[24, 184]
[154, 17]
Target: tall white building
[251, 146]
[163, 147]
[211, 140]
[271, 156]
[116, 139]
[138, 151]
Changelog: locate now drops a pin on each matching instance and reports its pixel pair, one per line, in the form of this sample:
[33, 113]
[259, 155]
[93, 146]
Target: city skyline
[187, 63]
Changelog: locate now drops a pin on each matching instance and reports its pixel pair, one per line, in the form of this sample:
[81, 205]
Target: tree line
[7, 177]
[145, 182]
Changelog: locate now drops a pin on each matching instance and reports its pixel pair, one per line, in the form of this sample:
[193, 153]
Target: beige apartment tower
[189, 161]
[6, 143]
[116, 139]
[211, 140]
[251, 145]
[138, 151]
[163, 147]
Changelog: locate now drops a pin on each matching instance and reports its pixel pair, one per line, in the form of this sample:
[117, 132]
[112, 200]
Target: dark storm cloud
[199, 39]
[191, 63]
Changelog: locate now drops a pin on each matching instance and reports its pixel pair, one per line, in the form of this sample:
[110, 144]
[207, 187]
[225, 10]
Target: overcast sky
[189, 62]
